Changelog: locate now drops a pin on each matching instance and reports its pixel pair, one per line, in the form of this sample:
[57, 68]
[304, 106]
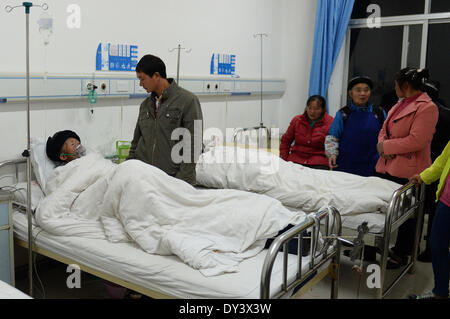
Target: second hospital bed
[278, 273]
[385, 207]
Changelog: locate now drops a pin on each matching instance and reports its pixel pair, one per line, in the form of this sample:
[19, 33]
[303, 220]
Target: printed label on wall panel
[223, 64]
[116, 57]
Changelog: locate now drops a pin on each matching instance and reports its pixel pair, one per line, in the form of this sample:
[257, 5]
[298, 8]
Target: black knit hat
[359, 79]
[55, 144]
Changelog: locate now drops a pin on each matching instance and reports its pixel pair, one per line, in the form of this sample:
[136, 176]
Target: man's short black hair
[149, 64]
[56, 142]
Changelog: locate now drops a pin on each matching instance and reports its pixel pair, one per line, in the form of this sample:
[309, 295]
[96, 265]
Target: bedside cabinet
[6, 239]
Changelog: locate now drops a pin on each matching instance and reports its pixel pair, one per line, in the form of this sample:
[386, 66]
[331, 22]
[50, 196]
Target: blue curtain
[332, 19]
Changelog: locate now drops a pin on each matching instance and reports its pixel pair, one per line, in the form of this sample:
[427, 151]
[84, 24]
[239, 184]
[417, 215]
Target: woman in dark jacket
[351, 144]
[308, 131]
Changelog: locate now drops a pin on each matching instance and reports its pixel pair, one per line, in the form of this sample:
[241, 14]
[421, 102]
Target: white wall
[297, 43]
[206, 26]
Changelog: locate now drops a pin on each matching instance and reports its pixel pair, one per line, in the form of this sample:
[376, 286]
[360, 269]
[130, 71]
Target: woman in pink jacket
[308, 131]
[404, 145]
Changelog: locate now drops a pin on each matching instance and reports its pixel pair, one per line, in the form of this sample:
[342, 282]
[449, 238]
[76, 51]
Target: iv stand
[179, 48]
[261, 125]
[261, 35]
[26, 153]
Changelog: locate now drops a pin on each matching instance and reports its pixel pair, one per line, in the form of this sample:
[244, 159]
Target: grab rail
[237, 131]
[331, 237]
[402, 206]
[16, 163]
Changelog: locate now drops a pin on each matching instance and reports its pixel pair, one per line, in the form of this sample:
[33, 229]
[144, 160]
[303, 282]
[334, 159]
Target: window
[380, 52]
[376, 53]
[414, 45]
[438, 57]
[390, 7]
[440, 6]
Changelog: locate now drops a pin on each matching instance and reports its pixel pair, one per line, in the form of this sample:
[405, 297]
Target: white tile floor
[350, 280]
[353, 285]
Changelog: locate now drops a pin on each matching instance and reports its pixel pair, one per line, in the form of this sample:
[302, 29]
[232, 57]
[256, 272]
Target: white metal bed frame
[406, 202]
[329, 252]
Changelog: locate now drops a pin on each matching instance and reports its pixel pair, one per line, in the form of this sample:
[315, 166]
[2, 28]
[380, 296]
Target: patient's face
[68, 150]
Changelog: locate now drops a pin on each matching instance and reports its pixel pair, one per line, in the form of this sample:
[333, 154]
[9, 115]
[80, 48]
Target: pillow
[20, 194]
[42, 165]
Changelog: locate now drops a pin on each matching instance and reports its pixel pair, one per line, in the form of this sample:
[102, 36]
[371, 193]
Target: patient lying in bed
[211, 230]
[294, 185]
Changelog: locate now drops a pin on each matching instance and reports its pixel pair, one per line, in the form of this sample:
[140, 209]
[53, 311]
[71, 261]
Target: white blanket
[293, 184]
[211, 230]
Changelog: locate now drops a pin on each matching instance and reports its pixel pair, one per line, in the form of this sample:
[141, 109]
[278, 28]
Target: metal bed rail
[406, 202]
[16, 163]
[29, 213]
[256, 128]
[318, 256]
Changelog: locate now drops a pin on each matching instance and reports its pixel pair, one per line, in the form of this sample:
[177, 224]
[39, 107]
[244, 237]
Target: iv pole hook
[179, 48]
[261, 35]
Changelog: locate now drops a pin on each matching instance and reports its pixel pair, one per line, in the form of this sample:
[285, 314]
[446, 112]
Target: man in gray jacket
[170, 112]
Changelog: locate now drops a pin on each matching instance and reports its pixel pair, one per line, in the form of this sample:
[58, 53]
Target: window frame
[424, 19]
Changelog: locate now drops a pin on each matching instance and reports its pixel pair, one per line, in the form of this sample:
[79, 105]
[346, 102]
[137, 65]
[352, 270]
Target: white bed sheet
[375, 221]
[164, 274]
[298, 187]
[9, 292]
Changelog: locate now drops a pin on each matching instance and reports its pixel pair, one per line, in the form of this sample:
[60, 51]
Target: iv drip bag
[45, 23]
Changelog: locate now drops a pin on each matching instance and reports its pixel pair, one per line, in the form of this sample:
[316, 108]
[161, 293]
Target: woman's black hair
[318, 98]
[415, 77]
[432, 89]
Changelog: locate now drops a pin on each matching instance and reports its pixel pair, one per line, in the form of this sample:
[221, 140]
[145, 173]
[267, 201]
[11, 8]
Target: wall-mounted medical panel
[138, 89]
[274, 86]
[268, 86]
[121, 86]
[101, 84]
[247, 86]
[192, 85]
[13, 87]
[227, 86]
[210, 87]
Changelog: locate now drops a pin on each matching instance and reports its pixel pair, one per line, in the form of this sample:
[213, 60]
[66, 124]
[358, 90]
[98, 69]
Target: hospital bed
[406, 202]
[279, 275]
